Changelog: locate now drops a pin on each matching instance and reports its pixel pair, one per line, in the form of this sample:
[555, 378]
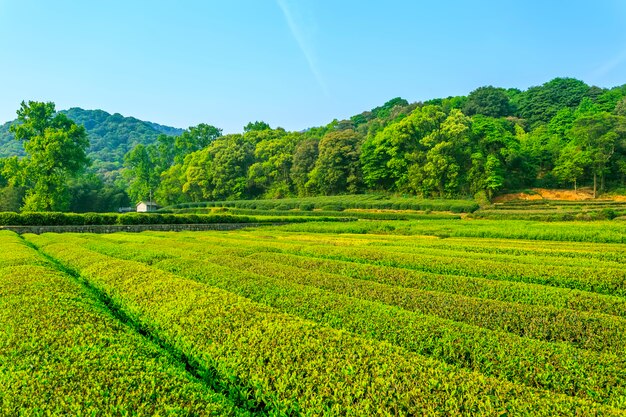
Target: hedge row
[63, 354]
[503, 290]
[582, 329]
[610, 253]
[462, 252]
[510, 291]
[555, 367]
[366, 215]
[603, 280]
[599, 280]
[549, 216]
[561, 203]
[596, 232]
[340, 203]
[575, 372]
[293, 366]
[72, 219]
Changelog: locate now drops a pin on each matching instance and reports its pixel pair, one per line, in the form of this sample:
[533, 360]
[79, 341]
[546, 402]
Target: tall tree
[256, 126]
[620, 108]
[337, 169]
[218, 171]
[386, 157]
[540, 104]
[304, 157]
[438, 169]
[488, 101]
[194, 139]
[598, 135]
[269, 175]
[142, 172]
[55, 152]
[571, 164]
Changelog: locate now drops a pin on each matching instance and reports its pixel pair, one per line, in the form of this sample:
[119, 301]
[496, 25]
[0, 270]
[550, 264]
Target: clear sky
[293, 63]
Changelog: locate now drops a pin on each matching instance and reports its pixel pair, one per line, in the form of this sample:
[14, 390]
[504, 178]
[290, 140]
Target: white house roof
[147, 203]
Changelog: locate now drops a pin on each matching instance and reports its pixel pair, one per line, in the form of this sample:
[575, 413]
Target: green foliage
[111, 136]
[493, 141]
[64, 353]
[55, 148]
[89, 193]
[236, 338]
[620, 108]
[304, 156]
[67, 219]
[193, 139]
[313, 289]
[256, 126]
[540, 104]
[141, 173]
[488, 101]
[359, 201]
[337, 167]
[598, 136]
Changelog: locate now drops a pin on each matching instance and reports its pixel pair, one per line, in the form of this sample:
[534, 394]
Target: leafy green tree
[495, 159]
[170, 189]
[493, 175]
[437, 170]
[191, 140]
[304, 157]
[608, 100]
[11, 196]
[337, 169]
[91, 194]
[488, 101]
[598, 135]
[269, 175]
[621, 169]
[540, 104]
[571, 164]
[438, 174]
[448, 103]
[386, 156]
[142, 172]
[386, 109]
[620, 108]
[256, 126]
[218, 171]
[55, 152]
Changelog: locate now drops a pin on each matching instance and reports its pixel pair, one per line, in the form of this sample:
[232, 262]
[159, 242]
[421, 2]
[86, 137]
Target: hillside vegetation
[110, 136]
[563, 134]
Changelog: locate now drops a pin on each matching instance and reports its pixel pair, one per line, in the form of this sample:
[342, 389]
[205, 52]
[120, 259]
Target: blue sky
[293, 63]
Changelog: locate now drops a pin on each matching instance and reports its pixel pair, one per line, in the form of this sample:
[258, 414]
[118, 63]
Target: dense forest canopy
[563, 133]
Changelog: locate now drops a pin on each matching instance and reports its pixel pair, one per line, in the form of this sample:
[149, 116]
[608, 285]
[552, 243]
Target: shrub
[332, 207]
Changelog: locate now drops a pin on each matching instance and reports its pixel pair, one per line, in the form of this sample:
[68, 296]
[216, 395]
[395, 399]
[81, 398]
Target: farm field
[420, 317]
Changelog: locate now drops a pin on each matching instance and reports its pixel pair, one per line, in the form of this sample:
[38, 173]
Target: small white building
[146, 206]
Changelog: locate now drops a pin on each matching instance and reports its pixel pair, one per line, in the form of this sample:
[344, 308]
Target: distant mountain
[110, 136]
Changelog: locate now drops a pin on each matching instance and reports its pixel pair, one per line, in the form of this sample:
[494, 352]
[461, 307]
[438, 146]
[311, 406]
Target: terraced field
[300, 320]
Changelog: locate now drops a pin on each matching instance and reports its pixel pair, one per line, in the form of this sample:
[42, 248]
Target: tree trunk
[602, 182]
[595, 181]
[575, 185]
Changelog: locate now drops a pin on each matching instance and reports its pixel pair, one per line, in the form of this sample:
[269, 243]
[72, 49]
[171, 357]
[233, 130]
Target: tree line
[563, 133]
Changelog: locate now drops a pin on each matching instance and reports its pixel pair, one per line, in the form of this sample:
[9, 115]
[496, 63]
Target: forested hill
[111, 136]
[561, 134]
